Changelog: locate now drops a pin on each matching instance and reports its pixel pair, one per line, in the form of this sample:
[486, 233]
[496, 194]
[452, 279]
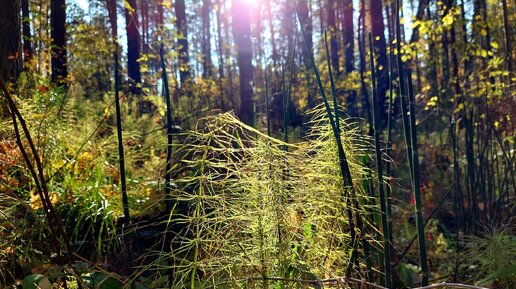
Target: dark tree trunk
[507, 31]
[182, 41]
[272, 32]
[419, 16]
[207, 66]
[348, 40]
[306, 20]
[27, 36]
[302, 7]
[146, 26]
[332, 27]
[361, 50]
[380, 49]
[10, 52]
[242, 31]
[133, 48]
[58, 35]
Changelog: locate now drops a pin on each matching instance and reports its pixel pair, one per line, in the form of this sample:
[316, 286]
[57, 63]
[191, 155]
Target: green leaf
[36, 281]
[102, 280]
[505, 272]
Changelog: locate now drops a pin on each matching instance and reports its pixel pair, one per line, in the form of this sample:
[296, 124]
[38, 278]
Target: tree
[133, 47]
[347, 31]
[380, 49]
[27, 45]
[348, 43]
[242, 32]
[182, 41]
[206, 43]
[332, 27]
[58, 35]
[10, 60]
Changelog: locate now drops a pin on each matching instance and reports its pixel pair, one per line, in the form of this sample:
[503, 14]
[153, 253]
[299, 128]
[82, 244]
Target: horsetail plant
[412, 153]
[365, 243]
[388, 188]
[125, 202]
[416, 182]
[379, 169]
[343, 162]
[168, 197]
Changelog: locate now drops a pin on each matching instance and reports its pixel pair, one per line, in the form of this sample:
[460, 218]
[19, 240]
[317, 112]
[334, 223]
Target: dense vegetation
[272, 144]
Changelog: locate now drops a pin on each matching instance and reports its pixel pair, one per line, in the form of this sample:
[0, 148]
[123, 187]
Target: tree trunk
[348, 42]
[182, 41]
[361, 50]
[133, 47]
[10, 53]
[419, 16]
[332, 28]
[242, 32]
[347, 33]
[220, 51]
[206, 47]
[380, 49]
[508, 44]
[27, 36]
[272, 32]
[58, 35]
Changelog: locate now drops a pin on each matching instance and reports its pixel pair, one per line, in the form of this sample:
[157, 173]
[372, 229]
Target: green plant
[491, 257]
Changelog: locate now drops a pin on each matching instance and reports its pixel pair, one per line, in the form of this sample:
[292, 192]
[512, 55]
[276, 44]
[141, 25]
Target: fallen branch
[450, 285]
[342, 280]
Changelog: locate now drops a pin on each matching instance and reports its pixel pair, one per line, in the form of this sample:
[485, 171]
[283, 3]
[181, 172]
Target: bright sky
[83, 4]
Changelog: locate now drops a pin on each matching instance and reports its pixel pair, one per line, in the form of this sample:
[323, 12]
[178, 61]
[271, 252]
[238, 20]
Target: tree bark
[220, 51]
[347, 33]
[508, 42]
[380, 49]
[58, 35]
[27, 36]
[133, 48]
[182, 41]
[420, 14]
[10, 52]
[207, 66]
[332, 29]
[242, 33]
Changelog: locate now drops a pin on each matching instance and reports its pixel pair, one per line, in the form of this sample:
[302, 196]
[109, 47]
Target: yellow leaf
[494, 45]
[167, 4]
[128, 6]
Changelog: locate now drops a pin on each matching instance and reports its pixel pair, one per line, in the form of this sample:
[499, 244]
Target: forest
[257, 144]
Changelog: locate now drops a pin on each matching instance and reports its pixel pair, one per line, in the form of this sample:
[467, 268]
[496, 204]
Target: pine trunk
[242, 33]
[58, 35]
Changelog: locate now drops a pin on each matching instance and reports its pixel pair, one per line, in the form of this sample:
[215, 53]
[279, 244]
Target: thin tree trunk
[508, 43]
[27, 36]
[275, 56]
[182, 41]
[420, 14]
[133, 47]
[220, 51]
[348, 33]
[332, 28]
[207, 66]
